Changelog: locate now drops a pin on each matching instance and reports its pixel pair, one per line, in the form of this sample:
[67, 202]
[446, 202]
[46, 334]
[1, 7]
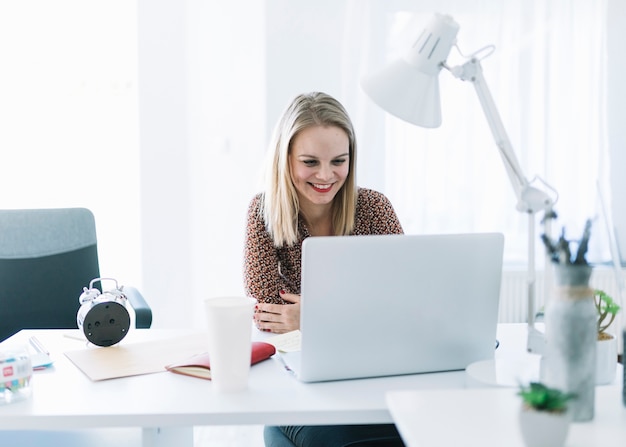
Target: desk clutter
[288, 342]
[199, 365]
[131, 359]
[16, 372]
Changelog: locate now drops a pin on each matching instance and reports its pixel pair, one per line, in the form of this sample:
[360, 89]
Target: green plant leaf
[543, 398]
[605, 306]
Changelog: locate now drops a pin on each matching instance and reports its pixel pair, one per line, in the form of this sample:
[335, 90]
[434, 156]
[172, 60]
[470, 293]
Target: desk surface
[65, 399]
[488, 417]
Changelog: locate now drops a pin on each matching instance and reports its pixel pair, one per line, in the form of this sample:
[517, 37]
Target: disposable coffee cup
[229, 321]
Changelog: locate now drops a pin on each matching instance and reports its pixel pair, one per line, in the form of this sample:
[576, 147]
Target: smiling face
[319, 161]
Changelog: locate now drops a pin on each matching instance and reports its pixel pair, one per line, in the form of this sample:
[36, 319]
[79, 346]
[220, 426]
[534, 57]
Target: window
[68, 117]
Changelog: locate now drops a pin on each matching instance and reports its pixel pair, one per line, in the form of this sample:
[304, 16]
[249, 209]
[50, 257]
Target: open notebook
[396, 304]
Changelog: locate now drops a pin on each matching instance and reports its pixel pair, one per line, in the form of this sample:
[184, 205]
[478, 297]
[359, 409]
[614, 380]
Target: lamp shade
[408, 87]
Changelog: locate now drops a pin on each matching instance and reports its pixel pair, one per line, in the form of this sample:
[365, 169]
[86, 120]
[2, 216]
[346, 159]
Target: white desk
[487, 417]
[169, 405]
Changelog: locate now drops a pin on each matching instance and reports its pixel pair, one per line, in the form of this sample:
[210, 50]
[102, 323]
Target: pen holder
[16, 372]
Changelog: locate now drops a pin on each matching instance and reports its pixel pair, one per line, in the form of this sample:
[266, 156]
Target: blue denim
[379, 435]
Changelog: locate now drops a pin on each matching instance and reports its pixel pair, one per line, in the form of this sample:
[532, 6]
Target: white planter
[606, 360]
[543, 429]
[571, 335]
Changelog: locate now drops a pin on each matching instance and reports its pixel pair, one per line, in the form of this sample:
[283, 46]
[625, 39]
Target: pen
[38, 346]
[284, 363]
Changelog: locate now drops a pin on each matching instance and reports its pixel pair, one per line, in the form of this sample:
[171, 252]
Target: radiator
[514, 295]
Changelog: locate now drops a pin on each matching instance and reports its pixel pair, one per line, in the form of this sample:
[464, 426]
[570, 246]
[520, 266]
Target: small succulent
[606, 308]
[540, 397]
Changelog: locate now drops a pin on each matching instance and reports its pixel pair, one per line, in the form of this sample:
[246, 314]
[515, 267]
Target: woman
[311, 191]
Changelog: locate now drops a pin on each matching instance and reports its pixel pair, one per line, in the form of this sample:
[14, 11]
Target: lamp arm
[530, 199]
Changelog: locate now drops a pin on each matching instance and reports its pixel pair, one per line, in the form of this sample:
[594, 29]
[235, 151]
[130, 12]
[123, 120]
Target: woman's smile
[319, 161]
[323, 188]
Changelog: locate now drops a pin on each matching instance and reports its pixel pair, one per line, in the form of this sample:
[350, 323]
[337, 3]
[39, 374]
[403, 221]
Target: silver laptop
[396, 304]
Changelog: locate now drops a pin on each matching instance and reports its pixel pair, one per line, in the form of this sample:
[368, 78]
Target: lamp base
[518, 361]
[509, 372]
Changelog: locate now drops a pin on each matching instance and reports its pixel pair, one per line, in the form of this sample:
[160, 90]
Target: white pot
[606, 360]
[543, 429]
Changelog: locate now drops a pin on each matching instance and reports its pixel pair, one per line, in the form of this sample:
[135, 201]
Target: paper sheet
[130, 359]
[289, 342]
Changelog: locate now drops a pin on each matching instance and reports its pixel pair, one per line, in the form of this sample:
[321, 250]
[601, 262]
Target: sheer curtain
[547, 79]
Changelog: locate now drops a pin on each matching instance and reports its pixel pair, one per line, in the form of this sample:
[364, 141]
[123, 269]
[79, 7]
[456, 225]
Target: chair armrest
[143, 313]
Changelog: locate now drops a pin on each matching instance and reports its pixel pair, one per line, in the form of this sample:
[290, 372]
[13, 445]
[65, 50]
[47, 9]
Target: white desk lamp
[408, 88]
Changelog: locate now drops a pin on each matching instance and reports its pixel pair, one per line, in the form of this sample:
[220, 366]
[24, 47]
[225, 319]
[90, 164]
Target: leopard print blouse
[268, 269]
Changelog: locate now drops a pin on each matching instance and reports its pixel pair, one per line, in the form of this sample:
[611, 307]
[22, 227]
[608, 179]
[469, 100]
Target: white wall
[202, 108]
[308, 36]
[164, 154]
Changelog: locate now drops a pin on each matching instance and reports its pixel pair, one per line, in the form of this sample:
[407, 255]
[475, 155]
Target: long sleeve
[261, 264]
[375, 214]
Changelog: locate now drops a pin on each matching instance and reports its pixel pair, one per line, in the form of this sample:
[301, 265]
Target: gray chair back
[47, 256]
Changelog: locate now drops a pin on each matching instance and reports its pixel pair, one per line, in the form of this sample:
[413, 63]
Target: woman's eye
[339, 161]
[309, 162]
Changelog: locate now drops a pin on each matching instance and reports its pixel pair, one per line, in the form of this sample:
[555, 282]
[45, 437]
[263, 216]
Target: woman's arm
[277, 310]
[261, 277]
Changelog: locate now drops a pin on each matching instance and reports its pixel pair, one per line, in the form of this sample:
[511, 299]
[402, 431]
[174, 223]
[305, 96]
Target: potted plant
[606, 348]
[544, 421]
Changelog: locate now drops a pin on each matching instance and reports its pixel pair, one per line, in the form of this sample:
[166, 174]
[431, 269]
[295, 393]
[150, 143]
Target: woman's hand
[278, 318]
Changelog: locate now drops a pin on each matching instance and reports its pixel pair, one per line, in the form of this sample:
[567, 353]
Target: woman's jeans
[383, 435]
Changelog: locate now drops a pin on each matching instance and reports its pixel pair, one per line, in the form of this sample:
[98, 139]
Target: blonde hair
[280, 201]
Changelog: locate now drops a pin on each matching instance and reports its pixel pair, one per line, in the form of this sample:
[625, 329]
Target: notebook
[386, 305]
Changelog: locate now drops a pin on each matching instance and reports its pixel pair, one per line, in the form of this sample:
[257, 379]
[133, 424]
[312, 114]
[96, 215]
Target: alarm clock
[103, 316]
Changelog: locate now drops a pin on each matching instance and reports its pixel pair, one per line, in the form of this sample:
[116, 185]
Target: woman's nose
[325, 172]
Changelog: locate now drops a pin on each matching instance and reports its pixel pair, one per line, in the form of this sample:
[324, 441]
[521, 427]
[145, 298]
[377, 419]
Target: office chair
[47, 256]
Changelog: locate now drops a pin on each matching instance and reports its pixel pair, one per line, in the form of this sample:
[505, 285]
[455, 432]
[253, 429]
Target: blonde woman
[311, 190]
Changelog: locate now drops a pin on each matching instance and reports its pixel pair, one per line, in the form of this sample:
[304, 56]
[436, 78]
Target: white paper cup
[229, 322]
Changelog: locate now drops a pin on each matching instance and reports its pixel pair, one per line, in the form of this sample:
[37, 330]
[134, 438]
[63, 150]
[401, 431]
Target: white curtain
[547, 77]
